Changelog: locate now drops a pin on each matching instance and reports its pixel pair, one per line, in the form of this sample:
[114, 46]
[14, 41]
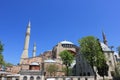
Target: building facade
[34, 68]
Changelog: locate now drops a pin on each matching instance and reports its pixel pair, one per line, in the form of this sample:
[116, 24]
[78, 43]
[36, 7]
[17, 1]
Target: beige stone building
[63, 45]
[34, 68]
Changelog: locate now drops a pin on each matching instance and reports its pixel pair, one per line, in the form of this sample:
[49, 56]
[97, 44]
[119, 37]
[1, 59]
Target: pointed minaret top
[104, 38]
[34, 50]
[29, 23]
[34, 44]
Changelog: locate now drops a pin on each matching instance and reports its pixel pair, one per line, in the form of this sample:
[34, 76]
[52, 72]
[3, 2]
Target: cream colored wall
[33, 59]
[14, 69]
[110, 61]
[59, 71]
[60, 49]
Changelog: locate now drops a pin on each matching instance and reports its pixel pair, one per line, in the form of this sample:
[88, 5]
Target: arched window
[31, 78]
[25, 78]
[80, 74]
[88, 73]
[38, 78]
[84, 74]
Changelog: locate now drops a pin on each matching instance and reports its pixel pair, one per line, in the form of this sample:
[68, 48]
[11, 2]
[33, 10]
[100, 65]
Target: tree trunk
[67, 70]
[95, 77]
[103, 78]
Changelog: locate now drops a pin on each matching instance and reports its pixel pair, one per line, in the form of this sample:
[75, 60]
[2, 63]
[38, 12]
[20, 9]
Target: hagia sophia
[34, 68]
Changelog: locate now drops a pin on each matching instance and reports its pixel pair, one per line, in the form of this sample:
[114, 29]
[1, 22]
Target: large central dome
[66, 42]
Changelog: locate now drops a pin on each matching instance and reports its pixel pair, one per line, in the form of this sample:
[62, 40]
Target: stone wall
[32, 59]
[71, 78]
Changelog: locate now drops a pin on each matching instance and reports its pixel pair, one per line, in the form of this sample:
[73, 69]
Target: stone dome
[105, 47]
[66, 42]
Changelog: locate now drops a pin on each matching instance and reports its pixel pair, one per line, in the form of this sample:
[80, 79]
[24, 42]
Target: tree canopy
[1, 56]
[1, 47]
[2, 62]
[116, 74]
[92, 51]
[51, 69]
[67, 58]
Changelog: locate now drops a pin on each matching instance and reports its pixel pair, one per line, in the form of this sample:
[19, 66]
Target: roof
[105, 47]
[66, 42]
[49, 61]
[13, 75]
[4, 72]
[34, 63]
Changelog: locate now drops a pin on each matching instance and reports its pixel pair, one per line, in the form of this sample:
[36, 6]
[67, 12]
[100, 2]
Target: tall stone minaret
[26, 44]
[104, 38]
[34, 50]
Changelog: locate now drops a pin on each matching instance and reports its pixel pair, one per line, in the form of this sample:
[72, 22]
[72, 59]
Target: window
[110, 63]
[88, 73]
[108, 55]
[80, 74]
[38, 78]
[84, 74]
[25, 78]
[31, 78]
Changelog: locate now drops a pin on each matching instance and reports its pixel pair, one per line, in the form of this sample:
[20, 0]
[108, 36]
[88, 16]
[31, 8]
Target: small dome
[34, 63]
[66, 42]
[105, 47]
[49, 61]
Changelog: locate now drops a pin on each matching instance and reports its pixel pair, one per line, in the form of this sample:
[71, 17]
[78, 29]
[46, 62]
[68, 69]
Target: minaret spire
[34, 50]
[104, 38]
[29, 23]
[26, 44]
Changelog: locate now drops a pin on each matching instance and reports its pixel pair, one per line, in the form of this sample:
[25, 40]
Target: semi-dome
[34, 63]
[66, 42]
[105, 47]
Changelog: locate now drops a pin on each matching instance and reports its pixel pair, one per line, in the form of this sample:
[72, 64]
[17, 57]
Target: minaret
[34, 50]
[104, 38]
[26, 44]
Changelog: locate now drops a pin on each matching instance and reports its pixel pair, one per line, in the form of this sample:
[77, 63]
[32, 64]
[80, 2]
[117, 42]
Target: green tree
[8, 64]
[103, 70]
[1, 56]
[92, 51]
[64, 69]
[67, 58]
[116, 74]
[51, 69]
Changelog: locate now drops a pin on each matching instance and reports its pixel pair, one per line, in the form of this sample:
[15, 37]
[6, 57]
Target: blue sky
[55, 20]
